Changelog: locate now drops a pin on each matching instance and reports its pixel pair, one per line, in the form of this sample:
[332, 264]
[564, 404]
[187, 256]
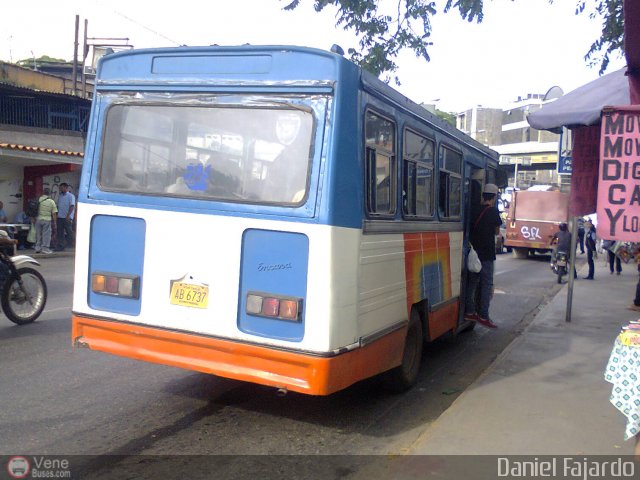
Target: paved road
[59, 400]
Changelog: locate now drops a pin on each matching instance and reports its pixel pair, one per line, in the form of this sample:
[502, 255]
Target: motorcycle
[23, 293]
[559, 264]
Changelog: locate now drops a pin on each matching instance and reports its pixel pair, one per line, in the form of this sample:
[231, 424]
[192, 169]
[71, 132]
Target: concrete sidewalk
[546, 394]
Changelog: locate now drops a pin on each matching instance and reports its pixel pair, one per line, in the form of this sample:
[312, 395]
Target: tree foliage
[611, 41]
[29, 62]
[383, 34]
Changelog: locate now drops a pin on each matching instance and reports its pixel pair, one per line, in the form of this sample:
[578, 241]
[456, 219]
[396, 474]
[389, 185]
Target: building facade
[529, 156]
[42, 134]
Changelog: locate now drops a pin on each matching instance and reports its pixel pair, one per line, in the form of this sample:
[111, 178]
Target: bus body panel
[375, 278]
[215, 259]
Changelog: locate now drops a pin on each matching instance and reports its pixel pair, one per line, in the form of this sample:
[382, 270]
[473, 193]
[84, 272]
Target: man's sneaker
[635, 308]
[486, 322]
[46, 250]
[472, 317]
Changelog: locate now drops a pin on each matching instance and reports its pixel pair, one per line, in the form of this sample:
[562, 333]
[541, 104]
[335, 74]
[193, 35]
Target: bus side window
[417, 175]
[450, 193]
[380, 165]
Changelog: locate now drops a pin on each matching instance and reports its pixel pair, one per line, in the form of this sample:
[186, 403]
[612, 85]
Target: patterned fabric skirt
[623, 371]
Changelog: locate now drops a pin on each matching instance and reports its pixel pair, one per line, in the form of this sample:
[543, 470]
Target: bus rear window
[228, 153]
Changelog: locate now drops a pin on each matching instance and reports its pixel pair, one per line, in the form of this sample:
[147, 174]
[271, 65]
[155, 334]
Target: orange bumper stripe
[251, 363]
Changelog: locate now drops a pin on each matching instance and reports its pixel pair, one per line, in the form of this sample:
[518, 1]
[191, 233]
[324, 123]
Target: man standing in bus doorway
[66, 211]
[486, 222]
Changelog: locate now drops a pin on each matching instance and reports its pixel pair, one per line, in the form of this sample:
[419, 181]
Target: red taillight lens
[112, 285]
[270, 307]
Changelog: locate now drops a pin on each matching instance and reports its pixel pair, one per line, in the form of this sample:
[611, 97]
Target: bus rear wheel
[404, 376]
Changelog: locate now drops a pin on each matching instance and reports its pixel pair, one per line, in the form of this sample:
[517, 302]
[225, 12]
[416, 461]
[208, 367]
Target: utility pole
[85, 51]
[75, 55]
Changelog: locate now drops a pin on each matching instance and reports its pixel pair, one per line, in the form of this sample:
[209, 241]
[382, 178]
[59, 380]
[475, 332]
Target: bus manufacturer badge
[188, 292]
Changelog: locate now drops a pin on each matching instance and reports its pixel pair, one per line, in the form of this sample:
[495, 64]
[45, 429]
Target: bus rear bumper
[299, 372]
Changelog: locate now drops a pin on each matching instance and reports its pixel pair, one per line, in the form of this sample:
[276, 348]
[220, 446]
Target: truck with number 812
[533, 219]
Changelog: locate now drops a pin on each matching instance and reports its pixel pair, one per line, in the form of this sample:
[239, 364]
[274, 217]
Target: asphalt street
[67, 401]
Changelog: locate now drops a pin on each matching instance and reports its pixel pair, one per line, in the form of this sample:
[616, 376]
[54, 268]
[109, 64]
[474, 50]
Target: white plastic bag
[473, 261]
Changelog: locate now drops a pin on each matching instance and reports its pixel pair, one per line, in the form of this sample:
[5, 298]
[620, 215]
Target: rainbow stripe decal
[427, 267]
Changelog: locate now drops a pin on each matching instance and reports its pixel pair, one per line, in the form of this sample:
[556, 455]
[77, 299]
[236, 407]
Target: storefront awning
[26, 155]
[583, 106]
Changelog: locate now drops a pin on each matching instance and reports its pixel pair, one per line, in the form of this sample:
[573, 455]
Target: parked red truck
[532, 220]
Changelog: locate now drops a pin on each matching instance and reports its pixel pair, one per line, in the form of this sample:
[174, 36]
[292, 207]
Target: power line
[145, 27]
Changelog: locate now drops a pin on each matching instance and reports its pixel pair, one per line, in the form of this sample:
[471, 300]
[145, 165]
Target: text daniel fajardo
[565, 467]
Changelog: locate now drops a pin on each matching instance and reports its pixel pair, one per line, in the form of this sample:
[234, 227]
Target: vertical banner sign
[564, 152]
[584, 175]
[619, 179]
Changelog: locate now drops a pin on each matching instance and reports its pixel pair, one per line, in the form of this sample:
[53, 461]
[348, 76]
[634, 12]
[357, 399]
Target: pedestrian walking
[612, 258]
[66, 212]
[590, 245]
[45, 222]
[581, 234]
[3, 214]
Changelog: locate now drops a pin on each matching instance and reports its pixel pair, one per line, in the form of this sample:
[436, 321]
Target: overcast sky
[524, 46]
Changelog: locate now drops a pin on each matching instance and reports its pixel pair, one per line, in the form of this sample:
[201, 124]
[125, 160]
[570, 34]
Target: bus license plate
[189, 295]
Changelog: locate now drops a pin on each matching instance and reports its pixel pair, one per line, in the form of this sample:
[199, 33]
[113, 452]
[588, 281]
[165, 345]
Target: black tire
[403, 377]
[16, 305]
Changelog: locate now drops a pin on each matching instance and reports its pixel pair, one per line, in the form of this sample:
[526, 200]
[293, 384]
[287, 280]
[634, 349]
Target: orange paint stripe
[251, 363]
[443, 320]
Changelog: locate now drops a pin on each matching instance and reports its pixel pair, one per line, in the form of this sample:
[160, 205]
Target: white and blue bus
[274, 215]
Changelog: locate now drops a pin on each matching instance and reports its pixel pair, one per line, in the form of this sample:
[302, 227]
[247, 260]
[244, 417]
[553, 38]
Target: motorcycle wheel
[24, 306]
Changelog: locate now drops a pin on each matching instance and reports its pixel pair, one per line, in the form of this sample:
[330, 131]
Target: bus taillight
[121, 285]
[274, 307]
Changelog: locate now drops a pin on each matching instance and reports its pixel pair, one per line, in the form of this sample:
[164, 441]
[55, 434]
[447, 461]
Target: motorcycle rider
[562, 239]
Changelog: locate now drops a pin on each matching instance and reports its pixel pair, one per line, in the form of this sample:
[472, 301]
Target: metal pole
[572, 266]
[84, 59]
[75, 55]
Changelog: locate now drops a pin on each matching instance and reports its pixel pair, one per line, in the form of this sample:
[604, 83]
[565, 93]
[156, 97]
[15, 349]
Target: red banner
[619, 177]
[584, 177]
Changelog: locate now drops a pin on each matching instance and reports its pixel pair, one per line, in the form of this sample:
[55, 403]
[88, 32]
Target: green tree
[29, 62]
[447, 117]
[611, 42]
[383, 34]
